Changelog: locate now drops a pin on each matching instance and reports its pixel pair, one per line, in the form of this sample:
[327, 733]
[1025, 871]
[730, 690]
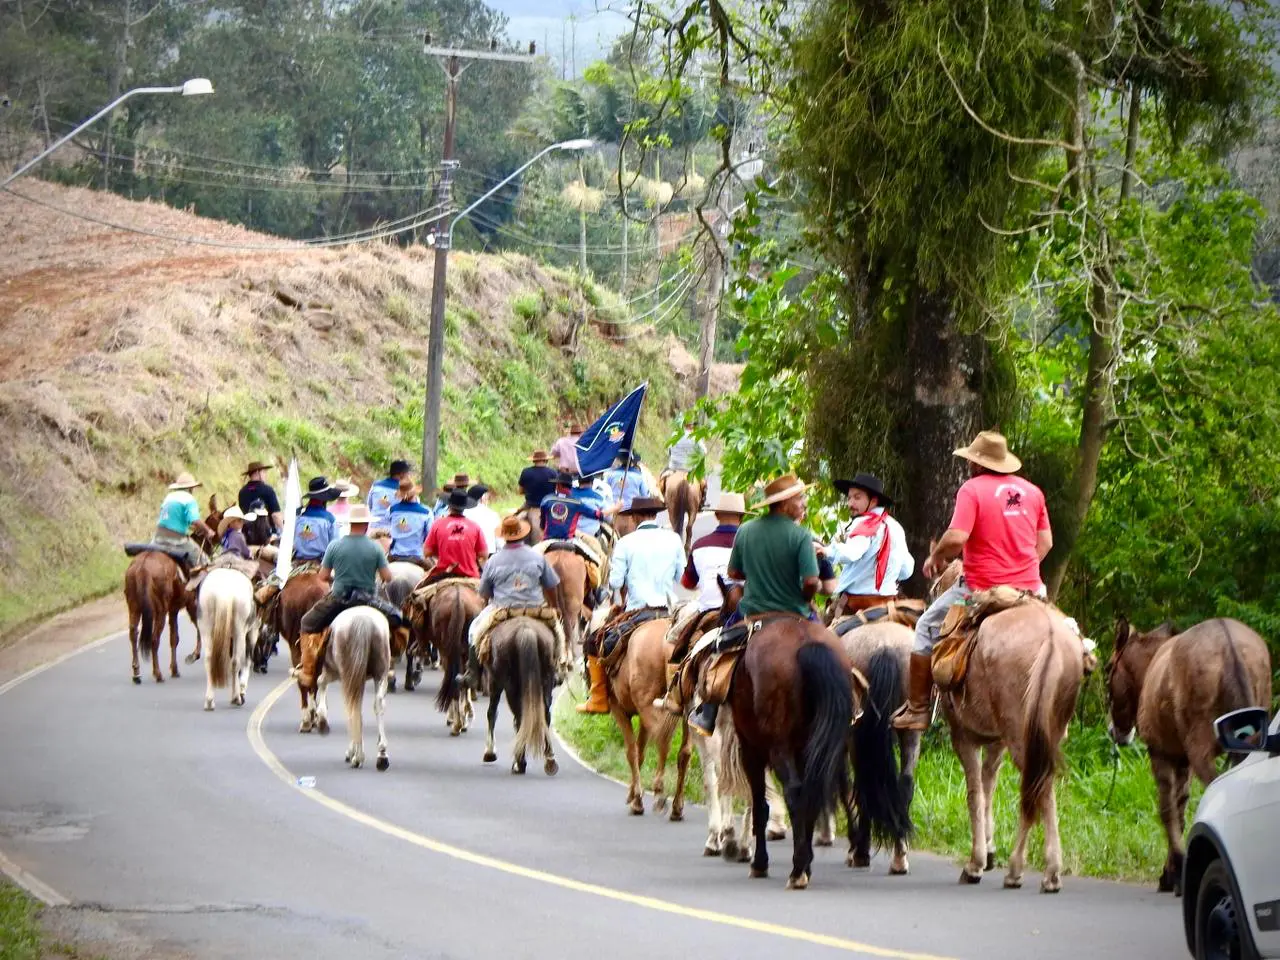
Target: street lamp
[435, 343]
[195, 87]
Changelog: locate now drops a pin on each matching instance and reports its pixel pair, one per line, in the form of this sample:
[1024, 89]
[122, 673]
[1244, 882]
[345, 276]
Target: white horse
[228, 617]
[359, 649]
[723, 781]
[404, 577]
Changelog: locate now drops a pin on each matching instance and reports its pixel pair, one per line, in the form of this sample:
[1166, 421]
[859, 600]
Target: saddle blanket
[959, 631]
[613, 636]
[594, 559]
[421, 596]
[905, 612]
[499, 615]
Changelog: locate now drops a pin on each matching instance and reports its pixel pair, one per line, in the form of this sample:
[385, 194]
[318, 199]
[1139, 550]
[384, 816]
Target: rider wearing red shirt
[1001, 527]
[455, 541]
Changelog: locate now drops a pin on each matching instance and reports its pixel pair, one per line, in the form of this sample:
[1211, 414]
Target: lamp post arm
[538, 156]
[92, 120]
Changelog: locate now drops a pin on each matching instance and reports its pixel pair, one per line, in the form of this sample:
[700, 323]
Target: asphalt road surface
[188, 830]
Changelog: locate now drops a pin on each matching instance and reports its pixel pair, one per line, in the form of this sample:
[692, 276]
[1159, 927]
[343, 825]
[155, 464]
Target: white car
[1231, 876]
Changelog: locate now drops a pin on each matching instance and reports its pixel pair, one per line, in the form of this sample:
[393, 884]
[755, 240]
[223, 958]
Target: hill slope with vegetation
[130, 357]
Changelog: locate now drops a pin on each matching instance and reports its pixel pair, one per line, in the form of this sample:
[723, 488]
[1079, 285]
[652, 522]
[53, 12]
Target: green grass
[20, 937]
[1107, 831]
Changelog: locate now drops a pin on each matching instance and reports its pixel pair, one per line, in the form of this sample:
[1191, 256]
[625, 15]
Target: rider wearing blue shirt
[562, 511]
[410, 522]
[591, 497]
[316, 526]
[384, 493]
[628, 484]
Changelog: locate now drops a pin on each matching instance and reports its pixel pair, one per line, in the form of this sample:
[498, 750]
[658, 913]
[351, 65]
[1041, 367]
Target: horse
[684, 499]
[639, 680]
[211, 520]
[571, 598]
[155, 591]
[300, 594]
[881, 652]
[359, 649]
[404, 577]
[523, 666]
[227, 615]
[258, 532]
[792, 701]
[444, 624]
[723, 782]
[1019, 693]
[1171, 687]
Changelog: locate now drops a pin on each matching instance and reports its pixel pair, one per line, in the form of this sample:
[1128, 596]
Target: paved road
[134, 801]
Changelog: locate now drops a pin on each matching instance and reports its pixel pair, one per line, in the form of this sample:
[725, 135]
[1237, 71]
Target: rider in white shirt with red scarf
[872, 556]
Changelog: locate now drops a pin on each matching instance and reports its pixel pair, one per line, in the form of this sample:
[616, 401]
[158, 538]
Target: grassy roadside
[1109, 832]
[20, 936]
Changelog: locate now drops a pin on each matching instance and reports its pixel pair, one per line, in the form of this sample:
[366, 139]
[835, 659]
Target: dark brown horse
[1171, 687]
[155, 591]
[299, 595]
[444, 624]
[211, 520]
[793, 701]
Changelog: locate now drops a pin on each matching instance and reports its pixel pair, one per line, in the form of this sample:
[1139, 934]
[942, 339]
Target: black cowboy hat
[632, 455]
[867, 483]
[459, 499]
[476, 492]
[318, 488]
[565, 479]
[644, 505]
[398, 467]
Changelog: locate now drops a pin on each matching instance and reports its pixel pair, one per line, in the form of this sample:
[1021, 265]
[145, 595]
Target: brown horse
[444, 624]
[1019, 693]
[793, 702]
[211, 520]
[1172, 687]
[299, 595]
[571, 599]
[524, 668]
[155, 591]
[641, 678]
[684, 499]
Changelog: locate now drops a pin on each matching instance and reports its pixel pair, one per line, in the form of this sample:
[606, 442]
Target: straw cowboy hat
[514, 528]
[233, 513]
[990, 449]
[644, 505]
[784, 488]
[359, 514]
[185, 481]
[539, 456]
[350, 491]
[867, 483]
[730, 503]
[256, 465]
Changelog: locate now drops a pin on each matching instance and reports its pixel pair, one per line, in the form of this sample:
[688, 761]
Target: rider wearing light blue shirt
[592, 497]
[384, 494]
[410, 522]
[627, 484]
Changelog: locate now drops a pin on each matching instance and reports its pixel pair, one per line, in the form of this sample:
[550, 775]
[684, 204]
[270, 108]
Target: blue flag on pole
[599, 446]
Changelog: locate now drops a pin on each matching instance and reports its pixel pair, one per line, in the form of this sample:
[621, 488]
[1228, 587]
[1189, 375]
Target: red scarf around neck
[867, 526]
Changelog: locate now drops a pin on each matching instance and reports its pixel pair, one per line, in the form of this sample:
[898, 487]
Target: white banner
[292, 503]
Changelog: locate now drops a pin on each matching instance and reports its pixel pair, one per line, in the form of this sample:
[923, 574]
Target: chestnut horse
[523, 666]
[444, 624]
[641, 679]
[299, 595]
[571, 598]
[793, 702]
[155, 591]
[1172, 687]
[684, 499]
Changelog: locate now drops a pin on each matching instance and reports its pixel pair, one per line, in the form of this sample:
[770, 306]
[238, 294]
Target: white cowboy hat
[359, 514]
[730, 503]
[349, 490]
[234, 512]
[185, 481]
[990, 449]
[784, 488]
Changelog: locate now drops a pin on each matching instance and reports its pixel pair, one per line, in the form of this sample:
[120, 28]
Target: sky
[548, 23]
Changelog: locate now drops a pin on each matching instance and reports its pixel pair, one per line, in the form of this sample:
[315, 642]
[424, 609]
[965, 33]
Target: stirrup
[698, 719]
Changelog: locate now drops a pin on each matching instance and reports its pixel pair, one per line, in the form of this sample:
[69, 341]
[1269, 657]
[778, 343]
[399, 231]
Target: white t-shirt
[487, 519]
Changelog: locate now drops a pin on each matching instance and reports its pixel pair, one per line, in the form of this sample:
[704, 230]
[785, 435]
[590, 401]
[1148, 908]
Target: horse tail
[1237, 689]
[827, 694]
[1044, 706]
[532, 732]
[882, 798]
[680, 509]
[452, 646]
[221, 640]
[352, 648]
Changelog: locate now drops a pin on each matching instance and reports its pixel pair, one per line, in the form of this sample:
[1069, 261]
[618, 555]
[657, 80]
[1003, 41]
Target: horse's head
[1126, 671]
[952, 572]
[731, 591]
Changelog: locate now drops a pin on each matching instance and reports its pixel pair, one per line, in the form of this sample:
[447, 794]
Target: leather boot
[915, 713]
[598, 701]
[310, 653]
[703, 718]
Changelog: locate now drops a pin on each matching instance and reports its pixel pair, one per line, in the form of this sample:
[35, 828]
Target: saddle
[415, 606]
[721, 651]
[406, 558]
[905, 612]
[547, 615]
[959, 632]
[594, 563]
[613, 636]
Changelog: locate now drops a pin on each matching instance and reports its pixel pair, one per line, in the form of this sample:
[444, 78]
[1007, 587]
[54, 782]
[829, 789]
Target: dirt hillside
[128, 357]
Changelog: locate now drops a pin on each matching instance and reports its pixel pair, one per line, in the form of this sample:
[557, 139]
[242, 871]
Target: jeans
[930, 623]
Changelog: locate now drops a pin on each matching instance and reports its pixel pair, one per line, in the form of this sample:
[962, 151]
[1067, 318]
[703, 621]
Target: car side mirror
[1243, 731]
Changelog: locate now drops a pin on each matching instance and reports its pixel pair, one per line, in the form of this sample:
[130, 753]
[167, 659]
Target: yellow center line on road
[254, 731]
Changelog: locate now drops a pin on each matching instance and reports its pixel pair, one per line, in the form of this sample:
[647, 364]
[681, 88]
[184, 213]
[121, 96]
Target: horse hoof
[159, 679]
[821, 841]
[391, 685]
[773, 833]
[550, 767]
[357, 764]
[758, 873]
[637, 808]
[518, 769]
[322, 725]
[383, 763]
[798, 883]
[1012, 883]
[137, 679]
[744, 855]
[899, 869]
[858, 861]
[710, 851]
[991, 862]
[968, 878]
[659, 804]
[454, 731]
[677, 815]
[1050, 886]
[208, 706]
[175, 675]
[730, 850]
[490, 756]
[190, 658]
[1166, 884]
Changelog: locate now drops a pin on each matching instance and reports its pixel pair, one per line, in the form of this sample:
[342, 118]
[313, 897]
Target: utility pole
[452, 62]
[710, 314]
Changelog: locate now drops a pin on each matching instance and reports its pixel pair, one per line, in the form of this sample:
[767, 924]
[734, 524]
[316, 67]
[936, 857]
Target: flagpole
[631, 447]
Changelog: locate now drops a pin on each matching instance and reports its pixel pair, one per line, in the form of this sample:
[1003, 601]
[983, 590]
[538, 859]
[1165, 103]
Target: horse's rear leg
[754, 767]
[379, 709]
[682, 770]
[133, 648]
[777, 810]
[549, 765]
[662, 743]
[992, 757]
[320, 705]
[709, 752]
[1052, 881]
[173, 644]
[967, 751]
[1172, 784]
[409, 681]
[635, 795]
[355, 728]
[490, 755]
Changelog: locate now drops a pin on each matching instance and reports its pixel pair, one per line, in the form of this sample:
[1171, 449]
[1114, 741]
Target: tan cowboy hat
[408, 489]
[644, 505]
[256, 465]
[784, 488]
[185, 481]
[539, 456]
[990, 449]
[461, 480]
[359, 514]
[350, 491]
[233, 512]
[730, 503]
[514, 527]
